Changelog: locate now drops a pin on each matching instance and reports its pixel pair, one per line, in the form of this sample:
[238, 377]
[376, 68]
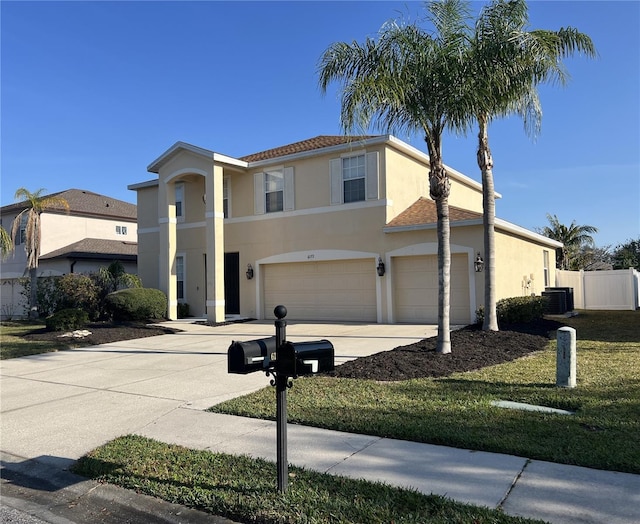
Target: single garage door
[416, 289]
[340, 290]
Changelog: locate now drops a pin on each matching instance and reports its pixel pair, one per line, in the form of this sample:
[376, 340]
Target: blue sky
[93, 92]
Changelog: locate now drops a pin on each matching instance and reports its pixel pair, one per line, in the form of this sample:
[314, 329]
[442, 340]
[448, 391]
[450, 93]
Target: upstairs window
[179, 200]
[121, 230]
[225, 196]
[353, 178]
[274, 191]
[21, 236]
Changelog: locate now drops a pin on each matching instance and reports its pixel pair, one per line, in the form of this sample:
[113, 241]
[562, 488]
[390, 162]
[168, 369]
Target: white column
[167, 245]
[215, 245]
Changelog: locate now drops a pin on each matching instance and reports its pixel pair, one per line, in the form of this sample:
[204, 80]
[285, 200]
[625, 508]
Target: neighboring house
[96, 231]
[311, 224]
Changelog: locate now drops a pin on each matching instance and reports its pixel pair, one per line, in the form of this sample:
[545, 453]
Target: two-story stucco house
[96, 231]
[335, 228]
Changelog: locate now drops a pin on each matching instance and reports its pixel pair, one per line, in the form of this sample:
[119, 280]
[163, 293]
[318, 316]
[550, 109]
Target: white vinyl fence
[614, 289]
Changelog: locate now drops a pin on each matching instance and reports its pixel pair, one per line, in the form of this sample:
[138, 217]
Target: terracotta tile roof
[87, 203]
[423, 211]
[95, 248]
[310, 144]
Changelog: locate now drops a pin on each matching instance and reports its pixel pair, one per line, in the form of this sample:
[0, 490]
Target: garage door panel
[333, 290]
[416, 289]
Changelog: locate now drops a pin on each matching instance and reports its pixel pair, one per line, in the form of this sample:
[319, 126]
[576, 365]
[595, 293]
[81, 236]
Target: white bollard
[566, 358]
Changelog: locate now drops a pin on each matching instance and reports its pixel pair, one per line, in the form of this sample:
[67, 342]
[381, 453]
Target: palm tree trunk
[439, 186]
[485, 163]
[33, 293]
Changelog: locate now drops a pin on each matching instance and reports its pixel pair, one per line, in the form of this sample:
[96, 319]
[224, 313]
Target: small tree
[627, 255]
[574, 238]
[34, 205]
[111, 279]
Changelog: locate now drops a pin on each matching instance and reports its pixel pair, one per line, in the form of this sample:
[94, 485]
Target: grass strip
[244, 489]
[456, 411]
[13, 344]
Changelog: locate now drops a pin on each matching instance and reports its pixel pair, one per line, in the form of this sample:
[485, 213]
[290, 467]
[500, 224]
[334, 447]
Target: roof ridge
[309, 144]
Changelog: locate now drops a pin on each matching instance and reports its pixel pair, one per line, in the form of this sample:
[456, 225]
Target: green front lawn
[244, 489]
[13, 345]
[456, 411]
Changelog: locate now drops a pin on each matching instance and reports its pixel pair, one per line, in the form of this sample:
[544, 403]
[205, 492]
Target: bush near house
[78, 290]
[516, 310]
[67, 319]
[136, 304]
[183, 310]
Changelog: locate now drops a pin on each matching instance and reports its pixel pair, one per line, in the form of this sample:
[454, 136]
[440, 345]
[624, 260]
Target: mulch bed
[471, 349]
[102, 333]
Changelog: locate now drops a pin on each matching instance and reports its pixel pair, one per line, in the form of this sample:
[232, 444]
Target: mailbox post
[284, 361]
[281, 403]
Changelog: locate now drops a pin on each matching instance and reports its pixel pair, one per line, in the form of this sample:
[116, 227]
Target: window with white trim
[179, 190]
[225, 196]
[545, 263]
[121, 230]
[354, 177]
[274, 191]
[180, 278]
[21, 236]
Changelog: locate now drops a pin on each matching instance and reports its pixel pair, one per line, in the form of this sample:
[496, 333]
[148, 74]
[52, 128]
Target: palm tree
[508, 62]
[34, 204]
[6, 245]
[410, 80]
[573, 238]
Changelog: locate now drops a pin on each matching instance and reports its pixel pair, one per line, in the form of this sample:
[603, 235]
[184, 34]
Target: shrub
[136, 304]
[67, 319]
[110, 279]
[517, 310]
[79, 291]
[183, 310]
[48, 295]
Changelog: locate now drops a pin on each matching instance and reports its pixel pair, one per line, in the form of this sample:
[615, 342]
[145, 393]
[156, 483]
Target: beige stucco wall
[315, 230]
[61, 230]
[516, 259]
[406, 181]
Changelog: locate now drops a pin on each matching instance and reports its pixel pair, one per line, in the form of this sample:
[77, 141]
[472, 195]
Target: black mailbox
[250, 356]
[305, 358]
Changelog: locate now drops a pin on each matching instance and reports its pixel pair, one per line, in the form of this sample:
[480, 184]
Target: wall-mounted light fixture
[478, 263]
[249, 271]
[380, 267]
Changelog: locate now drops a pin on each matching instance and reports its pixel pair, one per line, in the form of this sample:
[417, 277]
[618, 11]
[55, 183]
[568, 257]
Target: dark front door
[232, 283]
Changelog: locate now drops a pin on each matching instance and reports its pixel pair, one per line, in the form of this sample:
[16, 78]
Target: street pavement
[56, 407]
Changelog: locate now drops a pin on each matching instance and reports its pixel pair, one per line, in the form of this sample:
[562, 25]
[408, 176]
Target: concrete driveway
[58, 406]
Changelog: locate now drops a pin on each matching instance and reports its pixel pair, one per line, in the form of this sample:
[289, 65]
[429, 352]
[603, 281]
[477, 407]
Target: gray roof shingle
[95, 248]
[87, 203]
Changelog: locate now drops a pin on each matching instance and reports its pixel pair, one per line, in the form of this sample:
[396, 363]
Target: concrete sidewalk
[58, 406]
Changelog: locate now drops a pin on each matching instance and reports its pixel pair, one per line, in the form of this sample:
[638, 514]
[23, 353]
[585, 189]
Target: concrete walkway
[58, 406]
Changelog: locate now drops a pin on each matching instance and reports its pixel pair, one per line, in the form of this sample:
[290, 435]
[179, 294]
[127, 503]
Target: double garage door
[415, 282]
[337, 290]
[345, 290]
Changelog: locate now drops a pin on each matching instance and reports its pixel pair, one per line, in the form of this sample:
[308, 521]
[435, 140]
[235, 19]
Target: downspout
[72, 264]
